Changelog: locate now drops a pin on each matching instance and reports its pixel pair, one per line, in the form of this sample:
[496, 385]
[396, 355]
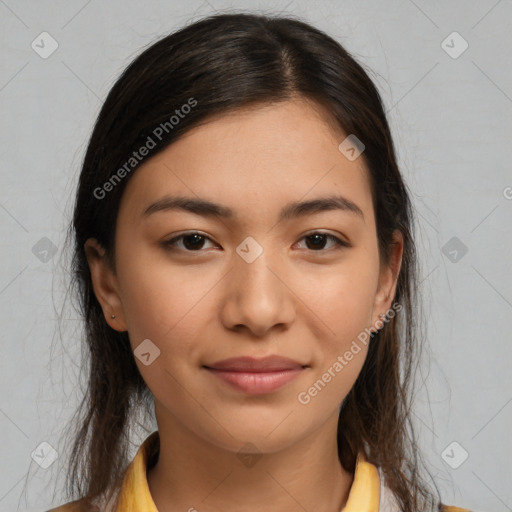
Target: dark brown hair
[226, 62]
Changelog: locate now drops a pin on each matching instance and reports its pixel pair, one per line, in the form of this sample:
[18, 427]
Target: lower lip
[253, 383]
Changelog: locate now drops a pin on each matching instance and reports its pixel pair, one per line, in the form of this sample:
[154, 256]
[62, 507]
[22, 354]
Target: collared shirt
[367, 493]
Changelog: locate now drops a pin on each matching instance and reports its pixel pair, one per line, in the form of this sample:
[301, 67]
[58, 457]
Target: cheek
[165, 305]
[340, 355]
[169, 306]
[159, 299]
[343, 300]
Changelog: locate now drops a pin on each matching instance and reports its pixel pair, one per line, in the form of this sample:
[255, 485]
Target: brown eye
[191, 242]
[317, 241]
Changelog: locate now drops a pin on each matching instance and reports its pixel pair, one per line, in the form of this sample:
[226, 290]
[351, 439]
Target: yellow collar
[135, 495]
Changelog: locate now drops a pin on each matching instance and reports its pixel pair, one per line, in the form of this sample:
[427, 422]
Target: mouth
[256, 376]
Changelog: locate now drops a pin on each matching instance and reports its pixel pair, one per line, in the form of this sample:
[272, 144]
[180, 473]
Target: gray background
[451, 123]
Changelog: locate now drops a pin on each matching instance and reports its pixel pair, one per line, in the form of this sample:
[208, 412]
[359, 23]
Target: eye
[317, 241]
[192, 241]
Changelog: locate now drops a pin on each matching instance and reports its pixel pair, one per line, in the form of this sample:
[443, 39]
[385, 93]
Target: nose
[258, 296]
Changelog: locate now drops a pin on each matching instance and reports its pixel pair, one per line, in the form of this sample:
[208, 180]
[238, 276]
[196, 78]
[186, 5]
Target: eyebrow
[292, 210]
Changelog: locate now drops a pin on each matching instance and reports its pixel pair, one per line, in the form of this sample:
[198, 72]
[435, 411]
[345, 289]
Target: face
[255, 276]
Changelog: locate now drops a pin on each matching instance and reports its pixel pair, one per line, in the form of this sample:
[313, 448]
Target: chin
[267, 435]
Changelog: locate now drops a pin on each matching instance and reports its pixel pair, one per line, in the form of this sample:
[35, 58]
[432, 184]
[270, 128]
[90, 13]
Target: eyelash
[339, 244]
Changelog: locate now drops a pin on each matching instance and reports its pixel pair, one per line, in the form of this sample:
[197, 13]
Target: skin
[209, 304]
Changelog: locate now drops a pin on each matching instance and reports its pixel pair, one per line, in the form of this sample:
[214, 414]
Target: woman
[244, 256]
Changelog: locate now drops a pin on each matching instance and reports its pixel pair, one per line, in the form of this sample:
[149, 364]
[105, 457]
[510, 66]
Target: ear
[388, 278]
[104, 282]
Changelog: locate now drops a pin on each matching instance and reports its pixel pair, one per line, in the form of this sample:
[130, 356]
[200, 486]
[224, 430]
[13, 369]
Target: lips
[250, 364]
[256, 376]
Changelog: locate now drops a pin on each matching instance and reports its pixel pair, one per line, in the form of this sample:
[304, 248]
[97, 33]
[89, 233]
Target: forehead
[254, 158]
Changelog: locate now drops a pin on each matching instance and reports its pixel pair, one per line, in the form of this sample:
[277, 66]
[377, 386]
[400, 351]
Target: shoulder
[388, 502]
[82, 505]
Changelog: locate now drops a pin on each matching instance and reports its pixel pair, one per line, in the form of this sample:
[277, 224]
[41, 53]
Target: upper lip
[251, 364]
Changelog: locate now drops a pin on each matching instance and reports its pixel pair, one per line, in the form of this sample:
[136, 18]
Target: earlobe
[104, 283]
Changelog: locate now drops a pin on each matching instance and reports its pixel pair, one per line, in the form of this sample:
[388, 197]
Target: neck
[192, 473]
